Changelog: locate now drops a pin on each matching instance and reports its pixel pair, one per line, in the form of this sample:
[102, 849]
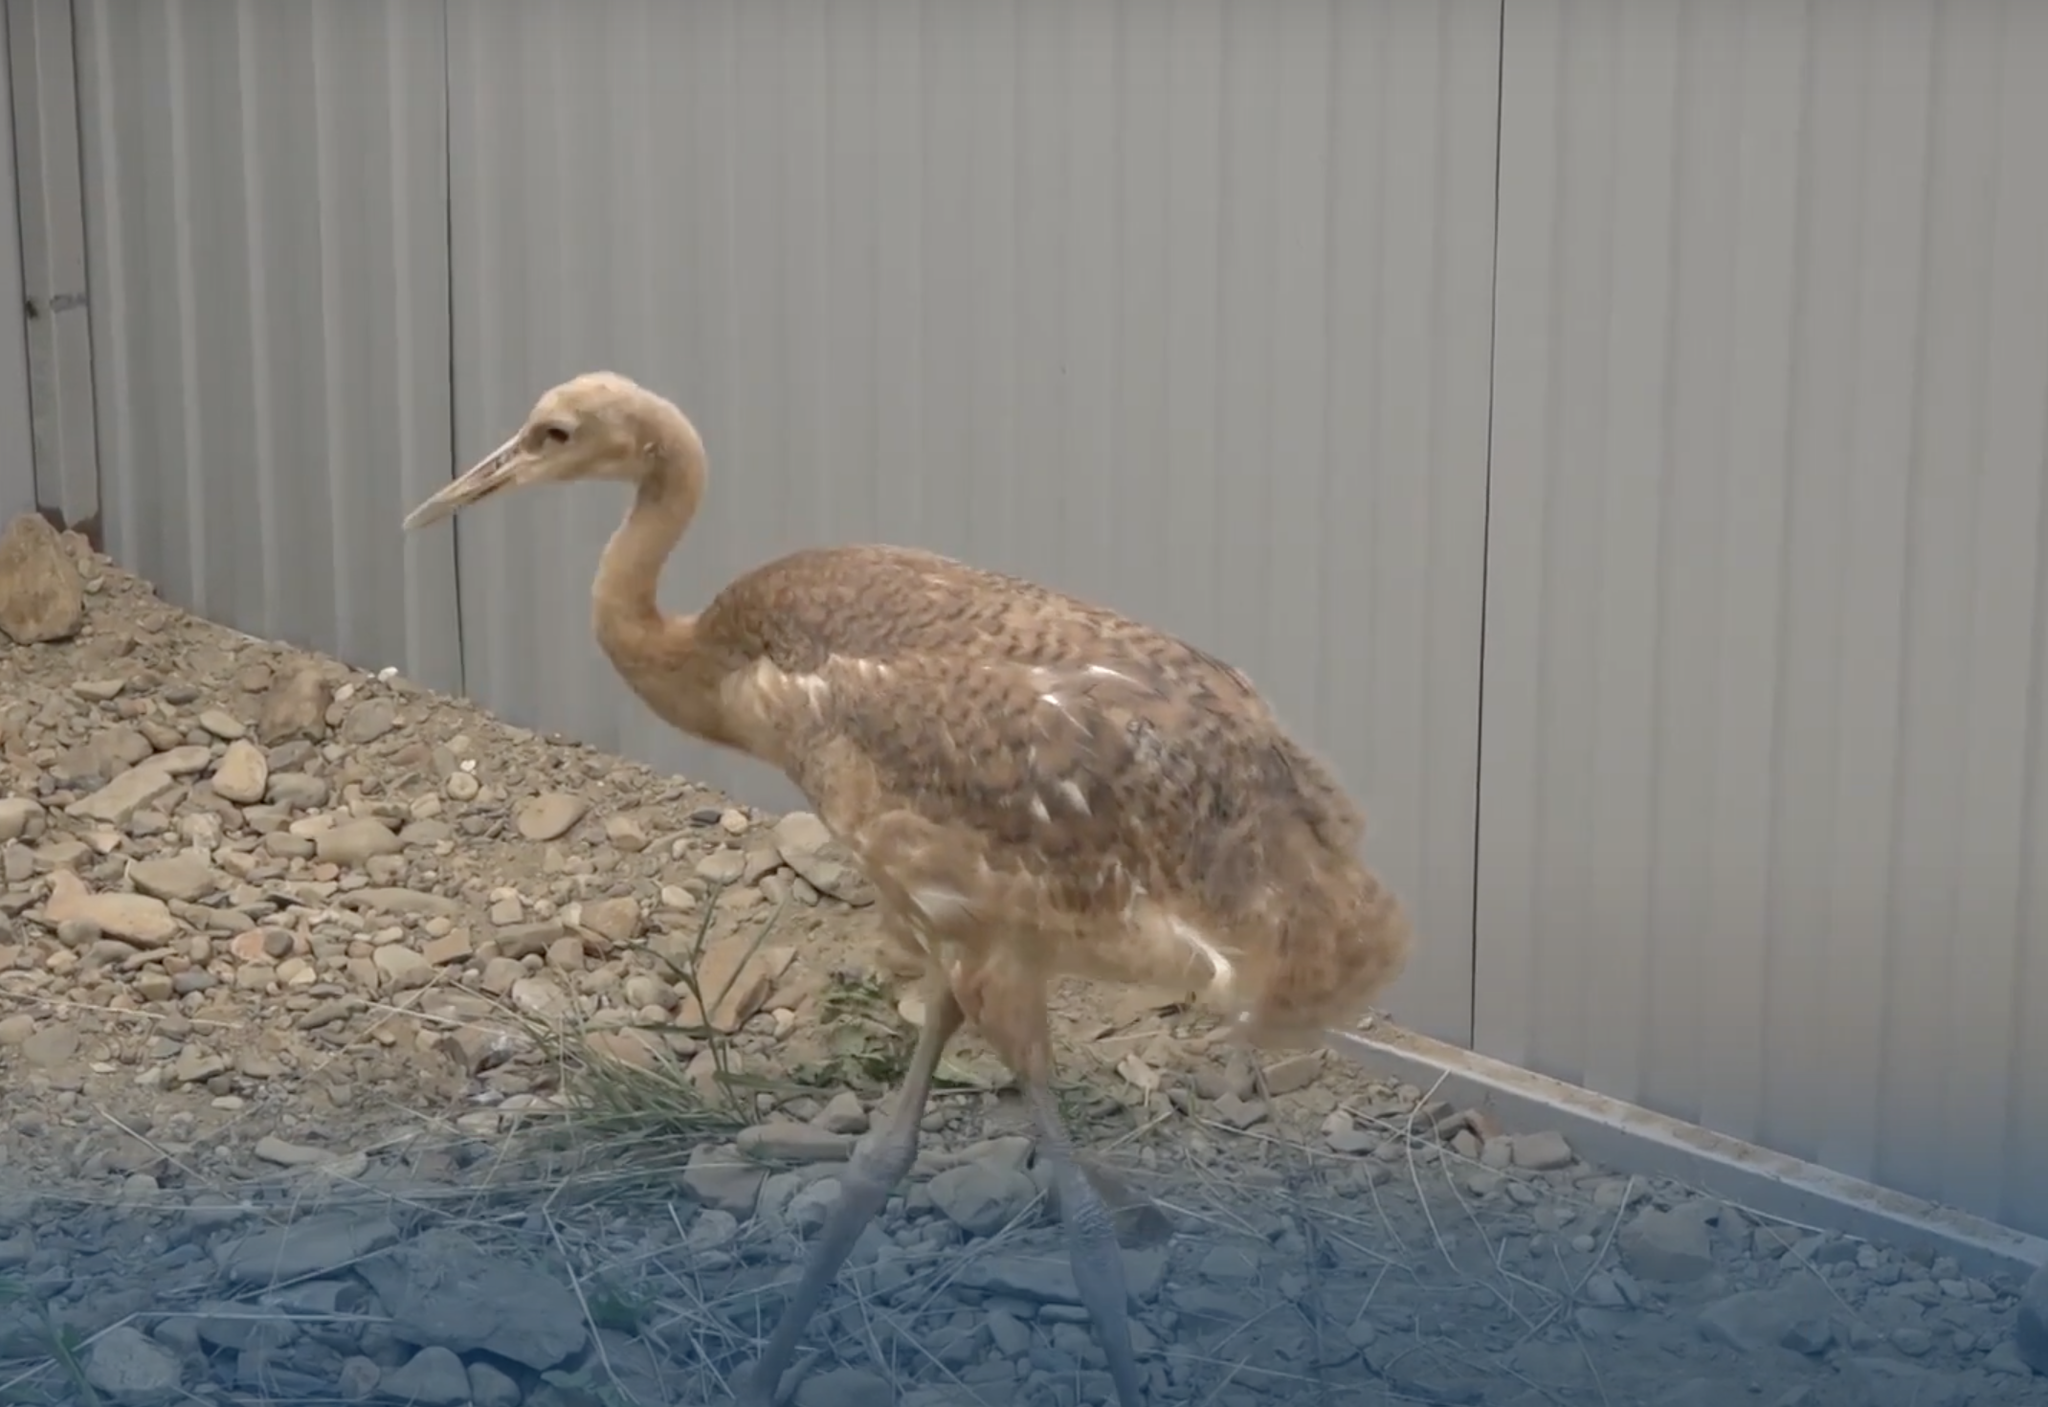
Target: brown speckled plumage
[1036, 785]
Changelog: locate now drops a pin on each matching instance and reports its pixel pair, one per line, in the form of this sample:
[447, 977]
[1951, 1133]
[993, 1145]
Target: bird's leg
[872, 1175]
[1091, 1232]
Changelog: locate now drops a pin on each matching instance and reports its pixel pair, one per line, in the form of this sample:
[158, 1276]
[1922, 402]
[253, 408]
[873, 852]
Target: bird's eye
[554, 435]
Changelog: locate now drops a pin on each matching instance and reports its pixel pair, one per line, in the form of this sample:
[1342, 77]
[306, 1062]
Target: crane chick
[1035, 785]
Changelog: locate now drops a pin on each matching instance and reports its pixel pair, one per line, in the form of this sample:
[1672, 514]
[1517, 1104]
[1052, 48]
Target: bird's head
[599, 425]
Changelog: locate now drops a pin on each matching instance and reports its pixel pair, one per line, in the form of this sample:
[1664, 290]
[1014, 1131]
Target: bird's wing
[1090, 769]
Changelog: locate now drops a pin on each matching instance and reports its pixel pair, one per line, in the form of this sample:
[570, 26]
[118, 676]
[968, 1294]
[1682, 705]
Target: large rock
[443, 1290]
[41, 597]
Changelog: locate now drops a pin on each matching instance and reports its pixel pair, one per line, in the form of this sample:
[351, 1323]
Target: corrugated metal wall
[17, 447]
[269, 263]
[1190, 305]
[1182, 306]
[1760, 840]
[58, 336]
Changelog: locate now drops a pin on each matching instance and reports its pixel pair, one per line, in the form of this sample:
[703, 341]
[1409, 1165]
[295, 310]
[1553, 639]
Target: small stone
[16, 815]
[722, 867]
[451, 947]
[490, 1386]
[843, 1114]
[1294, 1073]
[221, 724]
[549, 816]
[843, 1387]
[295, 707]
[541, 996]
[135, 918]
[358, 1377]
[182, 877]
[1240, 1113]
[433, 1376]
[982, 1198]
[1668, 1246]
[368, 721]
[808, 847]
[720, 1177]
[617, 921]
[356, 842]
[42, 599]
[243, 773]
[794, 1143]
[626, 834]
[116, 803]
[1540, 1152]
[51, 1047]
[131, 1368]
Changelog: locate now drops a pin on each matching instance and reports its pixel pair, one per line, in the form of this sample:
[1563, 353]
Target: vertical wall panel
[41, 60]
[1178, 304]
[17, 444]
[268, 257]
[1759, 840]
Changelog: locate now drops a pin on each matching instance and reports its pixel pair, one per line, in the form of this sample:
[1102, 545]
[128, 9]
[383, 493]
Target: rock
[356, 842]
[720, 1177]
[432, 1376]
[295, 707]
[243, 773]
[1540, 1152]
[118, 801]
[982, 1198]
[490, 1387]
[358, 1378]
[442, 1290]
[1668, 1246]
[16, 814]
[2030, 1332]
[794, 1143]
[52, 1047]
[808, 847]
[131, 1368]
[221, 724]
[402, 965]
[843, 1114]
[183, 877]
[1293, 1073]
[368, 721]
[136, 918]
[713, 1230]
[310, 1246]
[1751, 1321]
[843, 1387]
[1046, 1275]
[42, 599]
[617, 921]
[737, 978]
[549, 816]
[272, 1149]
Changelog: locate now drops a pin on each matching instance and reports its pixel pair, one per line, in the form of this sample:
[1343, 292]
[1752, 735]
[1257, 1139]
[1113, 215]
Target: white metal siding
[39, 57]
[17, 446]
[269, 265]
[1760, 838]
[1182, 306]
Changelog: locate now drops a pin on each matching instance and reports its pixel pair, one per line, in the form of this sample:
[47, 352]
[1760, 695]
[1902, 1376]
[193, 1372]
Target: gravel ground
[356, 1047]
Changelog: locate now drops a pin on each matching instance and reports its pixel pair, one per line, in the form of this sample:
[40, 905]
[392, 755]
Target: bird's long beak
[504, 467]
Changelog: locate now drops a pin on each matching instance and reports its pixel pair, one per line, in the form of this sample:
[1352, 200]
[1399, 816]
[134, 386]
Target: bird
[1036, 786]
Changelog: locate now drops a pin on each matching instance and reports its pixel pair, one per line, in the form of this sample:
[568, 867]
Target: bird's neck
[660, 657]
[623, 595]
